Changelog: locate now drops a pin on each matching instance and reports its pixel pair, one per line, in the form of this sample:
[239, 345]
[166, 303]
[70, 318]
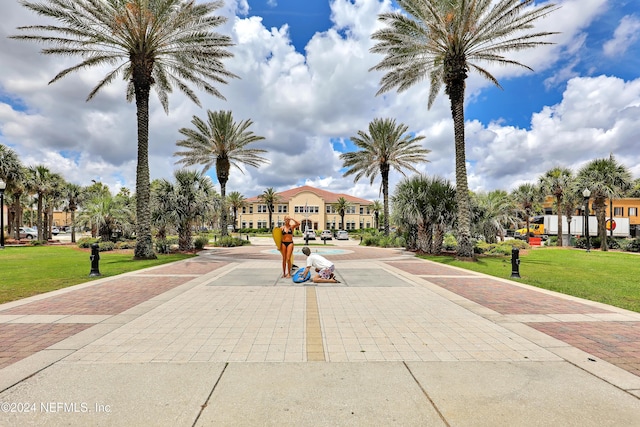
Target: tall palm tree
[221, 142]
[376, 207]
[270, 198]
[158, 44]
[73, 193]
[527, 198]
[571, 202]
[441, 41]
[386, 146]
[13, 174]
[39, 180]
[556, 182]
[606, 179]
[236, 201]
[341, 206]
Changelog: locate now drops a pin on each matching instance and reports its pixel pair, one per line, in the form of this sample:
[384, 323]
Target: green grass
[32, 270]
[609, 277]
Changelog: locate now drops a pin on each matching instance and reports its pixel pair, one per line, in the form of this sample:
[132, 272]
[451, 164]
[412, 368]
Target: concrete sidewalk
[222, 339]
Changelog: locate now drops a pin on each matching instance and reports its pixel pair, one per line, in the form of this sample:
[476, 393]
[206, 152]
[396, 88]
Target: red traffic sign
[610, 224]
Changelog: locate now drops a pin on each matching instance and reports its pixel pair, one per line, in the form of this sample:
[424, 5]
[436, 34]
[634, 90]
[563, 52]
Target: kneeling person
[323, 267]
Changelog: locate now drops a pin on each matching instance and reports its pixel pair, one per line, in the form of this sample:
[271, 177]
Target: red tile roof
[327, 196]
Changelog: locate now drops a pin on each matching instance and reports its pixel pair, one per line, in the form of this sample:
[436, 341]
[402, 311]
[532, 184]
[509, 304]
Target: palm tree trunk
[144, 244]
[558, 203]
[222, 172]
[602, 230]
[384, 172]
[455, 90]
[39, 219]
[73, 226]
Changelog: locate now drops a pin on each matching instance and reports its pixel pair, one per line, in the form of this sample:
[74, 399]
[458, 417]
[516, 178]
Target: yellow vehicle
[536, 228]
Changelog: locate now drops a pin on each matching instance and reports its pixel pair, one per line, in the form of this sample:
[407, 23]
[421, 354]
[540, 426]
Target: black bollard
[95, 261]
[515, 262]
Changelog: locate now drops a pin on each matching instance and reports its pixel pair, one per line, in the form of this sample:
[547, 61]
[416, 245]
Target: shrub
[500, 248]
[86, 242]
[450, 243]
[201, 241]
[375, 238]
[581, 243]
[106, 246]
[229, 241]
[126, 244]
[633, 245]
[163, 246]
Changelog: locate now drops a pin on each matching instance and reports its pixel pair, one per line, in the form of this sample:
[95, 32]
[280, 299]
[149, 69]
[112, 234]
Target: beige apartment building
[312, 207]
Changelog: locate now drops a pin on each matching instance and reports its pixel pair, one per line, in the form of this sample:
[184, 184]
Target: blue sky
[306, 85]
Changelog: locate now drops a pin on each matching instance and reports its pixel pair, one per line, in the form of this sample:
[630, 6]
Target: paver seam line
[559, 347]
[206, 402]
[433, 404]
[40, 369]
[595, 373]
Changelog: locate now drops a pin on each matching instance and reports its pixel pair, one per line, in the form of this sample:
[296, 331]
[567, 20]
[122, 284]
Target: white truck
[547, 225]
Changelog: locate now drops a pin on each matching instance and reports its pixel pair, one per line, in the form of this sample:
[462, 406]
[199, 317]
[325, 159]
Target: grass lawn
[609, 277]
[31, 270]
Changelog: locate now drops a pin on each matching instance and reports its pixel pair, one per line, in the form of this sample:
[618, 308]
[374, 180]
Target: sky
[306, 85]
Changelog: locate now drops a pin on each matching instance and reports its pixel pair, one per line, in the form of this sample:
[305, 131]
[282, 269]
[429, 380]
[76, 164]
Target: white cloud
[301, 103]
[624, 36]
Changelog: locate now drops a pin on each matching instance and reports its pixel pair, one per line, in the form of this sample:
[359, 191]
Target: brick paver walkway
[353, 326]
[617, 342]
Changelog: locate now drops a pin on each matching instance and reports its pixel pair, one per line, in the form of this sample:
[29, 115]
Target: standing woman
[286, 247]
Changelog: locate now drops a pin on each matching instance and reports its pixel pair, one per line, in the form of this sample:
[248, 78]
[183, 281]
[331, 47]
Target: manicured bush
[450, 243]
[201, 241]
[500, 248]
[106, 246]
[581, 243]
[229, 241]
[633, 245]
[86, 242]
[126, 244]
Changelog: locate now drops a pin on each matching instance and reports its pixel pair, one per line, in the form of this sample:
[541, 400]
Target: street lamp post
[587, 194]
[3, 185]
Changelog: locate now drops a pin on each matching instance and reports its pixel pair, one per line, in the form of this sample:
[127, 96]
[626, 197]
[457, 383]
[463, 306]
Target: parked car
[28, 233]
[342, 235]
[55, 231]
[326, 235]
[309, 234]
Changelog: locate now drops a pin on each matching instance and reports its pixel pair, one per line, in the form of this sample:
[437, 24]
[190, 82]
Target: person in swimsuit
[286, 248]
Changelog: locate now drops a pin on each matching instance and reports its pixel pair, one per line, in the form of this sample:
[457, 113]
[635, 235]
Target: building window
[283, 208]
[329, 209]
[262, 209]
[251, 209]
[618, 211]
[633, 211]
[361, 210]
[244, 209]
